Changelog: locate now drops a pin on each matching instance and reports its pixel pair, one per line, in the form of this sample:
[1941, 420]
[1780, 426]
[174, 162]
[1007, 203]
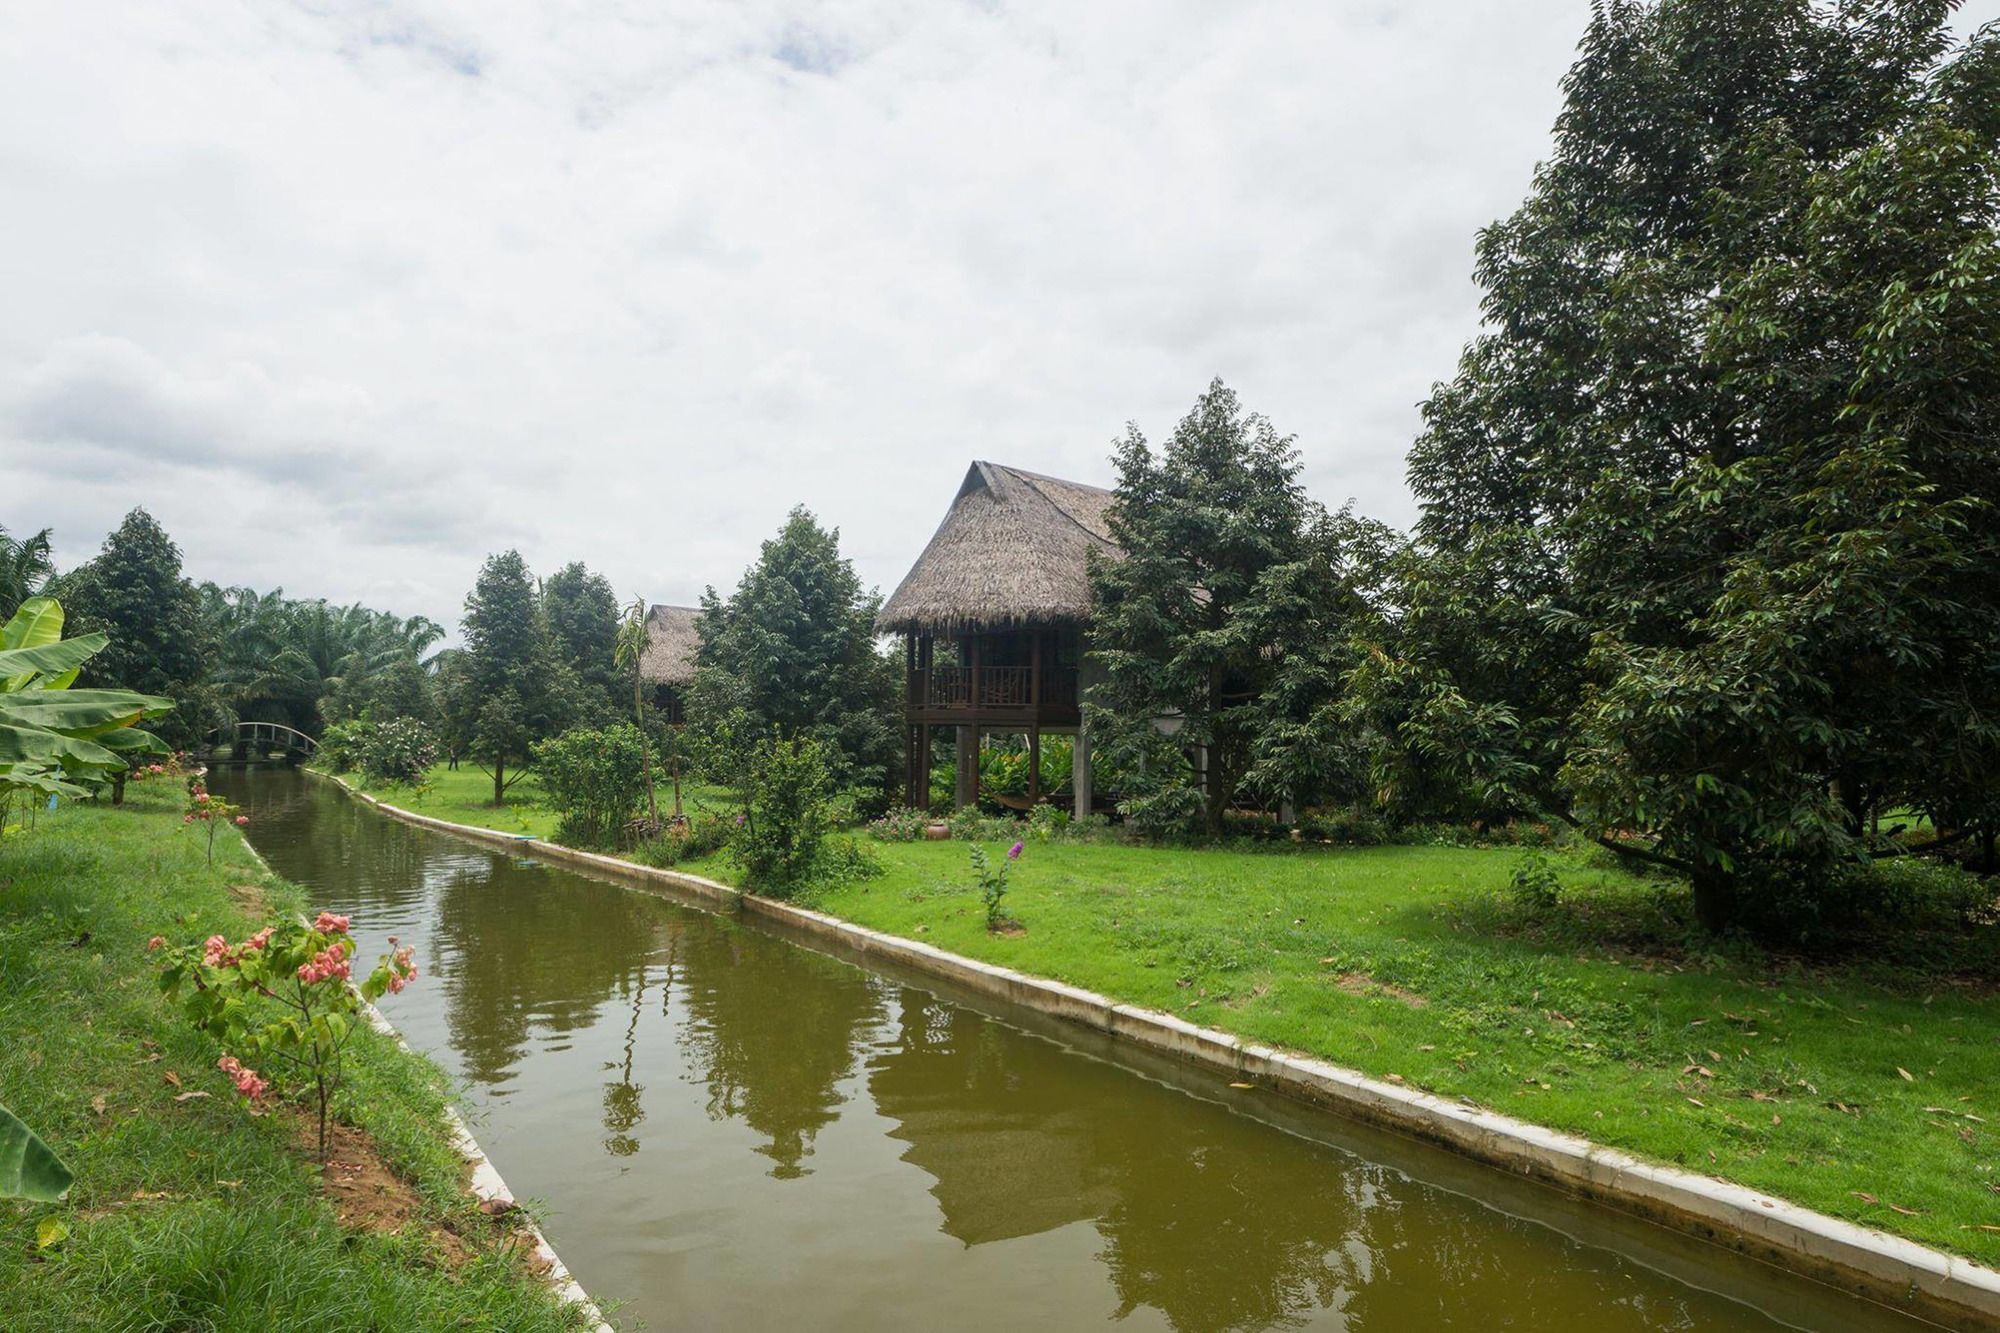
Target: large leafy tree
[583, 618]
[160, 644]
[1706, 554]
[511, 688]
[1224, 632]
[793, 650]
[308, 662]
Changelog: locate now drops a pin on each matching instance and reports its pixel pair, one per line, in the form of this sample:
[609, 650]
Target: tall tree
[25, 565]
[1224, 630]
[793, 649]
[583, 618]
[515, 690]
[1720, 468]
[134, 591]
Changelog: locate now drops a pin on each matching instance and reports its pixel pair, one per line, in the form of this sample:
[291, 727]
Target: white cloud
[351, 294]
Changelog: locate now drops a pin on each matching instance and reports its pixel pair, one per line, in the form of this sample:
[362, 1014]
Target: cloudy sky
[351, 294]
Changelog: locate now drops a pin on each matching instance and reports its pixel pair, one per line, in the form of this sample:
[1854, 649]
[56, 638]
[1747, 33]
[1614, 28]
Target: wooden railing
[951, 687]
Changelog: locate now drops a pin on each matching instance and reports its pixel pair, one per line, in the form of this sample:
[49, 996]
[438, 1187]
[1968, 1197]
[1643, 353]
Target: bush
[1897, 897]
[594, 780]
[1348, 826]
[1534, 886]
[340, 747]
[702, 836]
[789, 812]
[902, 824]
[1047, 822]
[399, 750]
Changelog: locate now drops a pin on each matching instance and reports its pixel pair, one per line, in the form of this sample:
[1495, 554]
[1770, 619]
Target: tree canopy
[1706, 553]
[510, 688]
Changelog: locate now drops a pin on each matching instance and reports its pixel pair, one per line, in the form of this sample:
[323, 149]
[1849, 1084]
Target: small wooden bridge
[264, 737]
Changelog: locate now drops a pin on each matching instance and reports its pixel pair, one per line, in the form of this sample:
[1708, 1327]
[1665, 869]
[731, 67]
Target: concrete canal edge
[486, 1183]
[1873, 1265]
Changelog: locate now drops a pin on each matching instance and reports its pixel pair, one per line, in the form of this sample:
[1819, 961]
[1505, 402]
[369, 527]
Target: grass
[1870, 1091]
[465, 796]
[187, 1212]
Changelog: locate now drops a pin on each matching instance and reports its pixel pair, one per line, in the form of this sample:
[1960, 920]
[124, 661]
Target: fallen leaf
[1864, 1196]
[97, 1105]
[1696, 1101]
[1906, 1212]
[1242, 1085]
[1775, 1120]
[497, 1207]
[171, 1077]
[1426, 1047]
[186, 1095]
[1715, 1056]
[1908, 1077]
[49, 1232]
[1979, 1226]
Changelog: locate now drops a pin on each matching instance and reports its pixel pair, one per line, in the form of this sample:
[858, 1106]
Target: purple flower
[1014, 852]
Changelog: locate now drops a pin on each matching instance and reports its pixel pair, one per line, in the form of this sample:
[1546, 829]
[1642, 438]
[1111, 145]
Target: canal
[731, 1130]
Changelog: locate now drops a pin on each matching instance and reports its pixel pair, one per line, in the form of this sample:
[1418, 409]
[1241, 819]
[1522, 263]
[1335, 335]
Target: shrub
[788, 813]
[1347, 826]
[973, 825]
[689, 841]
[1048, 822]
[993, 883]
[594, 780]
[902, 824]
[340, 747]
[1534, 885]
[399, 750]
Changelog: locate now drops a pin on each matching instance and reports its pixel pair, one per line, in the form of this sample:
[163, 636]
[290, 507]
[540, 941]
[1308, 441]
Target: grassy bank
[188, 1212]
[1869, 1092]
[465, 796]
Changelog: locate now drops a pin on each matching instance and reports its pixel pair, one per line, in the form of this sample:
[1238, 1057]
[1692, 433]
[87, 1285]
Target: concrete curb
[486, 1184]
[1873, 1265]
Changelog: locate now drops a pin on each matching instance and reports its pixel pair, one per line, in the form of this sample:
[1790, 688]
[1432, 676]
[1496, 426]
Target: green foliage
[341, 745]
[1707, 547]
[687, 840]
[594, 781]
[159, 642]
[29, 1168]
[1345, 826]
[510, 688]
[901, 824]
[309, 663]
[281, 998]
[1534, 885]
[582, 613]
[399, 750]
[55, 739]
[25, 566]
[793, 649]
[1232, 612]
[992, 882]
[788, 813]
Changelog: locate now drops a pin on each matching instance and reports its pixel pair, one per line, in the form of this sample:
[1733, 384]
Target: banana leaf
[79, 713]
[39, 745]
[28, 1168]
[54, 664]
[37, 621]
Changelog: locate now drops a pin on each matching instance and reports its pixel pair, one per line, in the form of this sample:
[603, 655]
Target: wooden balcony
[959, 694]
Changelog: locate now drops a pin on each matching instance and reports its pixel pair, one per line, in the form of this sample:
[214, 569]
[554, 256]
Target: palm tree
[25, 565]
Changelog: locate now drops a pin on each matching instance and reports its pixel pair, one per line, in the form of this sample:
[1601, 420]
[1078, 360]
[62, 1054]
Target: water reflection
[731, 1131]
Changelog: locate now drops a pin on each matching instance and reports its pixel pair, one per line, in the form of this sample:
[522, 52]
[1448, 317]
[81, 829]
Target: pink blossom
[241, 820]
[1014, 852]
[215, 951]
[329, 963]
[187, 819]
[202, 798]
[247, 1080]
[157, 942]
[329, 924]
[260, 939]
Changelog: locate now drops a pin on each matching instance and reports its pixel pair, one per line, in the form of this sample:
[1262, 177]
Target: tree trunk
[499, 778]
[118, 789]
[1714, 898]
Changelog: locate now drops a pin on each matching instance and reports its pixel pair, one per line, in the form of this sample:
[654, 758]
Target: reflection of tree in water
[772, 1029]
[1216, 1221]
[623, 1109]
[533, 948]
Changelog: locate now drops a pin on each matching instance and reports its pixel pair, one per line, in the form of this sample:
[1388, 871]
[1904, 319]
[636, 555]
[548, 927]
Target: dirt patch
[1360, 983]
[1247, 998]
[251, 899]
[1010, 929]
[366, 1195]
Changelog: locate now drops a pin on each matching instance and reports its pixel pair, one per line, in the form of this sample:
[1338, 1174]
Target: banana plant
[29, 1168]
[53, 737]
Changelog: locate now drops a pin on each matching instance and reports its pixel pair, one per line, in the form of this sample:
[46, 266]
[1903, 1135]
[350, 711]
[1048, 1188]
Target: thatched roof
[1012, 551]
[671, 638]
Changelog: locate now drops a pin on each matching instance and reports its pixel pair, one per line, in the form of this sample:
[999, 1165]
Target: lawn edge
[1874, 1265]
[485, 1184]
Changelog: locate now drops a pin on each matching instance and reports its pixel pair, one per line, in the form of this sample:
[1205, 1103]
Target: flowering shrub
[341, 744]
[902, 824]
[173, 766]
[993, 883]
[205, 808]
[399, 750]
[282, 999]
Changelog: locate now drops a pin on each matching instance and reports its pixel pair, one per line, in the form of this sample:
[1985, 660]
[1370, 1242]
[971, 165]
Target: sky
[350, 295]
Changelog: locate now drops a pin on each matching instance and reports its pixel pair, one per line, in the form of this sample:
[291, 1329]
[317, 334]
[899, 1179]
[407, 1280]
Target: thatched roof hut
[672, 635]
[1012, 551]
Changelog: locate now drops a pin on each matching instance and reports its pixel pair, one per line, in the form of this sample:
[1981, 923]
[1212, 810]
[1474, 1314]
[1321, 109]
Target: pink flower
[201, 798]
[329, 963]
[241, 820]
[157, 942]
[329, 924]
[246, 1079]
[260, 939]
[1014, 852]
[187, 819]
[215, 951]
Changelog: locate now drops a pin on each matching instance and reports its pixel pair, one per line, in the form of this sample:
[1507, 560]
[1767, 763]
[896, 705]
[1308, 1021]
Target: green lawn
[1820, 1085]
[465, 796]
[187, 1212]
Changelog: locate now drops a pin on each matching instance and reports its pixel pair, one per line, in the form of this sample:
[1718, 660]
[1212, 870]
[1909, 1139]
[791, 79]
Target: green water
[734, 1131]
